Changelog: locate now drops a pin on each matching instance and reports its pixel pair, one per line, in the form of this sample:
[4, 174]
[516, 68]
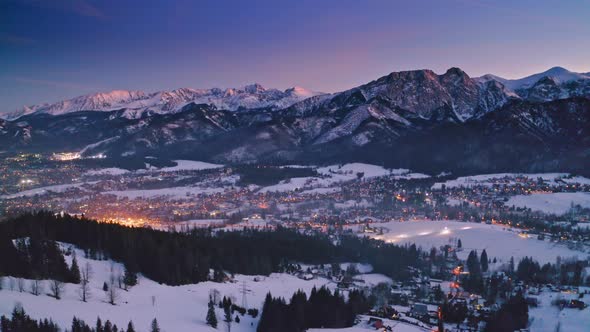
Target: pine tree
[459, 244]
[211, 316]
[473, 263]
[130, 278]
[130, 327]
[98, 325]
[484, 261]
[108, 327]
[155, 326]
[227, 319]
[75, 271]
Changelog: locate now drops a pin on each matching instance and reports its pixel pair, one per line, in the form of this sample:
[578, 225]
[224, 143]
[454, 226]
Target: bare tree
[11, 283]
[36, 287]
[85, 275]
[120, 280]
[112, 292]
[20, 282]
[56, 288]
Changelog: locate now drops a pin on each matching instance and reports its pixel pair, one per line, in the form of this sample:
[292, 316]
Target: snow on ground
[490, 179]
[363, 326]
[577, 179]
[199, 223]
[373, 279]
[178, 308]
[321, 191]
[296, 184]
[43, 190]
[350, 170]
[172, 192]
[189, 165]
[332, 175]
[409, 176]
[498, 241]
[107, 171]
[546, 317]
[556, 203]
[352, 203]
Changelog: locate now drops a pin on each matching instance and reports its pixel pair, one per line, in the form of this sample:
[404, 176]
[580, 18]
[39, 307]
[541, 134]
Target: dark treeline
[269, 175]
[79, 325]
[565, 273]
[527, 270]
[35, 258]
[323, 309]
[512, 316]
[181, 258]
[21, 322]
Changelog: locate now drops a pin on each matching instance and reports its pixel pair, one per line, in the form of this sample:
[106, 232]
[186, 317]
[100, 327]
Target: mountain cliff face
[414, 119]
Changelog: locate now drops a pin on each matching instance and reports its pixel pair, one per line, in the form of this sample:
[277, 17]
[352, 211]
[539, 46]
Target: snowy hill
[180, 308]
[559, 74]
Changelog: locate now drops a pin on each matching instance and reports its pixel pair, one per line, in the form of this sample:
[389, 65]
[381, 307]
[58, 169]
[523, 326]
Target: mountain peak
[456, 71]
[300, 91]
[254, 88]
[559, 75]
[556, 71]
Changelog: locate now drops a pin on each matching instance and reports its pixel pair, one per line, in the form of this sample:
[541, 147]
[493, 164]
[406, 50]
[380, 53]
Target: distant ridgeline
[183, 258]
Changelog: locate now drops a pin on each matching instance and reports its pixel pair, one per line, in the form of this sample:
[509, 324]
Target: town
[463, 286]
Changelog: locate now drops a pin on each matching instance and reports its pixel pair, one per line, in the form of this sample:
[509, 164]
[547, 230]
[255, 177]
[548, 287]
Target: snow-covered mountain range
[411, 119]
[137, 103]
[558, 74]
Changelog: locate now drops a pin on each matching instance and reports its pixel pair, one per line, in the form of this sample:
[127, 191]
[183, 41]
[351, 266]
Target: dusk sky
[56, 49]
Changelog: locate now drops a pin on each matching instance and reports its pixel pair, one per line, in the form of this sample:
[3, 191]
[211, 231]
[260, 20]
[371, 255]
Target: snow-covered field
[177, 308]
[43, 190]
[189, 165]
[498, 241]
[180, 308]
[398, 327]
[107, 171]
[547, 318]
[508, 178]
[332, 175]
[173, 192]
[556, 203]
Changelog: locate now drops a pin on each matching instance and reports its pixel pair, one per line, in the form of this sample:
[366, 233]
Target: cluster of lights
[68, 156]
[65, 156]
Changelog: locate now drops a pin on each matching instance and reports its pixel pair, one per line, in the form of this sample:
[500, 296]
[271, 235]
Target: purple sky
[52, 50]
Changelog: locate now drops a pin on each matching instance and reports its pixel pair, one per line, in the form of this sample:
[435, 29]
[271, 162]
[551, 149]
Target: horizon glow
[65, 48]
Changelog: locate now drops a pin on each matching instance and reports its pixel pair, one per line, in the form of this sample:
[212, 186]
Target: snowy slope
[498, 241]
[554, 203]
[180, 308]
[560, 74]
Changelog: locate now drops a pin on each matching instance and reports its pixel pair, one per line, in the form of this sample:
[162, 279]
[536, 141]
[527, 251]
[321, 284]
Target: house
[376, 322]
[532, 301]
[577, 304]
[419, 311]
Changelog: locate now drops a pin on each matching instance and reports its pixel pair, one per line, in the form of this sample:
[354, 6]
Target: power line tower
[244, 290]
